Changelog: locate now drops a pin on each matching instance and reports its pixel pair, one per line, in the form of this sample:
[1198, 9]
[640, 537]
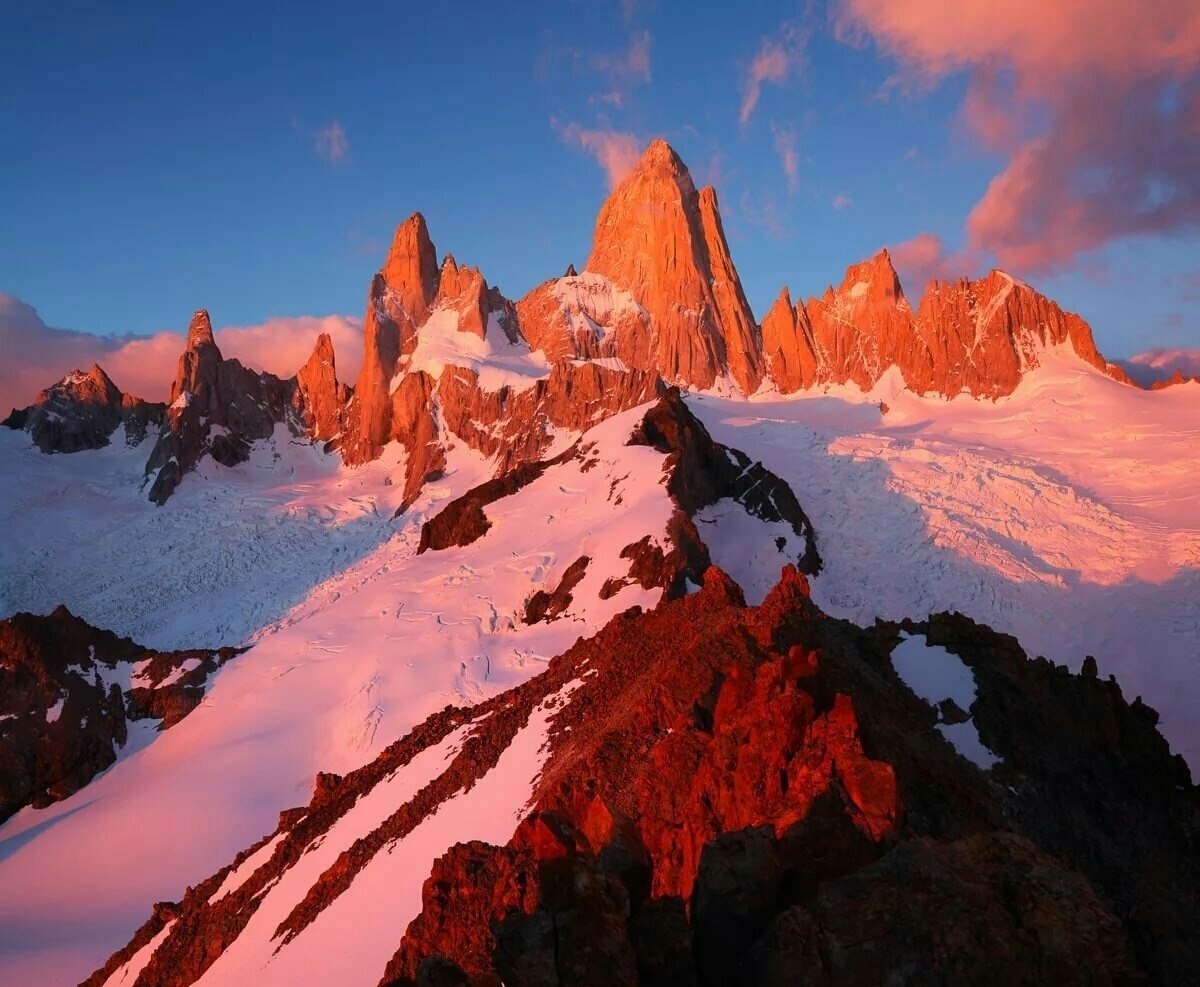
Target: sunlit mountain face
[701, 616]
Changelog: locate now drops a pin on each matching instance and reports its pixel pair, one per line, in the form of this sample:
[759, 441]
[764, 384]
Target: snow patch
[934, 674]
[497, 362]
[750, 550]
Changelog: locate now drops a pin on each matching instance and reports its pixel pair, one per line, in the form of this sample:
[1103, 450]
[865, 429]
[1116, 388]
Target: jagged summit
[200, 330]
[447, 357]
[662, 240]
[410, 270]
[81, 411]
[977, 337]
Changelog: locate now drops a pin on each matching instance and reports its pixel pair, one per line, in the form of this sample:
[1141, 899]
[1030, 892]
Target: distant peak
[659, 155]
[324, 347]
[200, 330]
[411, 266]
[101, 379]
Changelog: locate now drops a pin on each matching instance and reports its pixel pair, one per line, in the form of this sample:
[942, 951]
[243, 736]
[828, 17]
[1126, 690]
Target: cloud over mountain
[36, 355]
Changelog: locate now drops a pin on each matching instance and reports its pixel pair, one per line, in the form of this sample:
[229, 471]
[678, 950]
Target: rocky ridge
[82, 411]
[68, 692]
[975, 337]
[752, 795]
[449, 359]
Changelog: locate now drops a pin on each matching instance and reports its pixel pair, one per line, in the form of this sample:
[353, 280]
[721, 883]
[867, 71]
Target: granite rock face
[976, 337]
[82, 411]
[220, 407]
[68, 692]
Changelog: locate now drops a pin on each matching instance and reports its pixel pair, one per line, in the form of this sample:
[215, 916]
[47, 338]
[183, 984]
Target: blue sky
[163, 157]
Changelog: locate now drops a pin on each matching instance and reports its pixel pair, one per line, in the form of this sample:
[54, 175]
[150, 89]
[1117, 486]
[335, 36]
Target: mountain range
[609, 635]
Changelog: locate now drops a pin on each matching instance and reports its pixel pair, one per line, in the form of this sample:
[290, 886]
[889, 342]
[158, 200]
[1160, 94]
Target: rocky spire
[318, 396]
[411, 269]
[659, 238]
[465, 290]
[399, 301]
[197, 370]
[788, 348]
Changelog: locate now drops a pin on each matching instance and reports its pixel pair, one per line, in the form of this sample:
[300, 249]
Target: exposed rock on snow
[712, 793]
[219, 407]
[68, 692]
[82, 411]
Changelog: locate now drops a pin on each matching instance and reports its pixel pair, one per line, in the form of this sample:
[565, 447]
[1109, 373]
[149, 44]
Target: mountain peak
[100, 378]
[658, 155]
[200, 331]
[411, 269]
[875, 278]
[660, 239]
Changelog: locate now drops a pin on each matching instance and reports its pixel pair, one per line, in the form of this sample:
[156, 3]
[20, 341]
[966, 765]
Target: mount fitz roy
[658, 303]
[609, 636]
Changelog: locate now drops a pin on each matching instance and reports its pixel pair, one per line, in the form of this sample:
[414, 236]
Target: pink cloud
[37, 355]
[841, 201]
[777, 59]
[1094, 103]
[631, 64]
[1161, 364]
[924, 258]
[615, 151]
[331, 144]
[785, 147]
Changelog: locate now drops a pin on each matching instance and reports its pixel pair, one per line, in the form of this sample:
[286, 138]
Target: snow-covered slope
[1067, 514]
[379, 637]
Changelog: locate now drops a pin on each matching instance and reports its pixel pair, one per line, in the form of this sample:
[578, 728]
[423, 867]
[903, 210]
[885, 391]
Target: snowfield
[370, 650]
[1067, 514]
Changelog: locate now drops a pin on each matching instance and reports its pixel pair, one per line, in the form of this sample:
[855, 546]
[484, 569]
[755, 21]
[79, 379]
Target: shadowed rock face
[67, 694]
[219, 407]
[751, 795]
[82, 411]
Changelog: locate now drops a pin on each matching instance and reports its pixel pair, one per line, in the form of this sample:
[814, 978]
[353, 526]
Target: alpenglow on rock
[219, 407]
[975, 337]
[82, 411]
[662, 240]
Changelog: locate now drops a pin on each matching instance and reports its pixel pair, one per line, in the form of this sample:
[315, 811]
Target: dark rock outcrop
[67, 694]
[751, 795]
[82, 411]
[701, 472]
[219, 408]
[548, 606]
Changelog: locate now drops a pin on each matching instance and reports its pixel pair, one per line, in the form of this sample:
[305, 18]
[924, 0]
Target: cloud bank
[1094, 104]
[36, 355]
[1161, 364]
